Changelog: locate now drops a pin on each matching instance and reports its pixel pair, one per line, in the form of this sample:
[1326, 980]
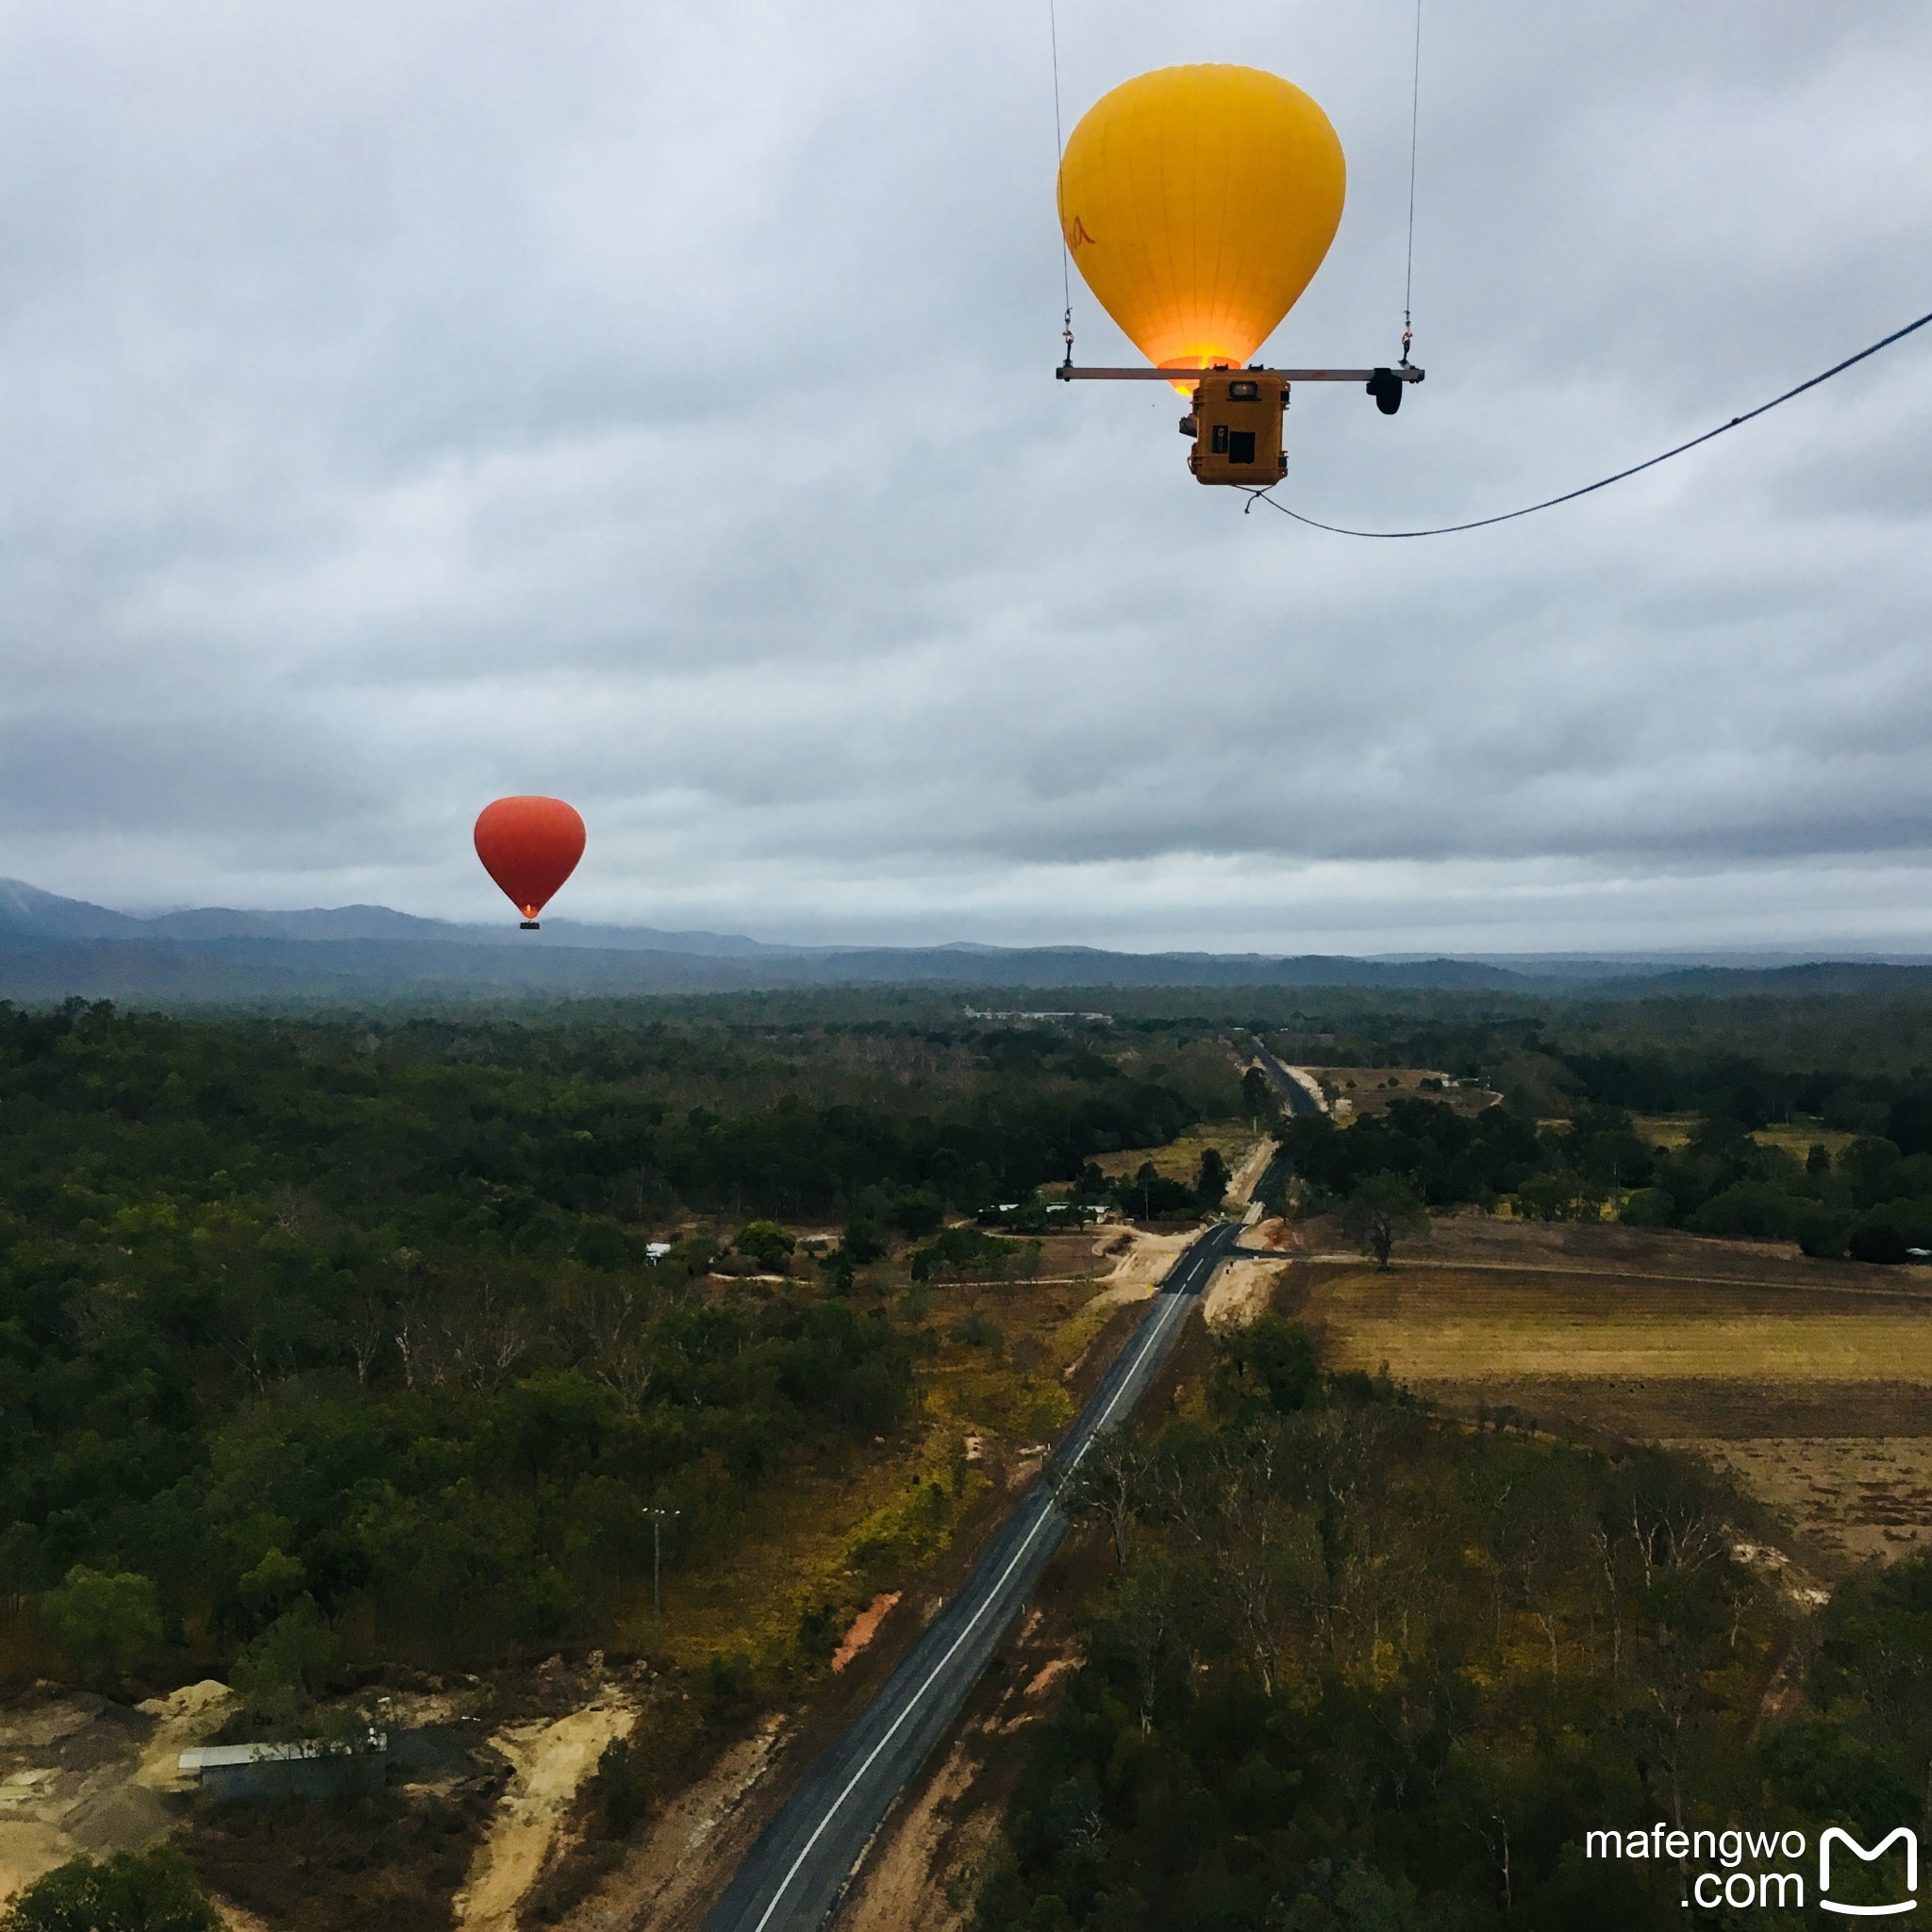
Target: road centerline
[1181, 1285]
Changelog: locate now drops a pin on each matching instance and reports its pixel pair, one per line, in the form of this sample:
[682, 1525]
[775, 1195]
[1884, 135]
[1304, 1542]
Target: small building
[309, 1767]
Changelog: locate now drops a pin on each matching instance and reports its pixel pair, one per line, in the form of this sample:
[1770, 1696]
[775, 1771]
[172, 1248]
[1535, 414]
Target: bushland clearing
[1369, 1090]
[1181, 1160]
[1800, 1136]
[1810, 1381]
[1796, 1136]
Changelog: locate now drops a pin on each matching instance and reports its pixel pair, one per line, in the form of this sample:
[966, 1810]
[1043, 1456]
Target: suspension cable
[1415, 104]
[1898, 335]
[1060, 149]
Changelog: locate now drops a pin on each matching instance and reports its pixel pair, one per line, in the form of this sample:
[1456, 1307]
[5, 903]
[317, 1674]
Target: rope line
[1060, 149]
[1415, 104]
[1898, 335]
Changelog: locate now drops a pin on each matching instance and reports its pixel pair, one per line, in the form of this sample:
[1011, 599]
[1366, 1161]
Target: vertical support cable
[1059, 148]
[1415, 101]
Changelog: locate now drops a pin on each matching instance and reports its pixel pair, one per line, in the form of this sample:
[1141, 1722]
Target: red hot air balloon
[529, 846]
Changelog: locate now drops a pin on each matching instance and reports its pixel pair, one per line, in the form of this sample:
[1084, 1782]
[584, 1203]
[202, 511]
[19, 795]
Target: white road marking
[1177, 1299]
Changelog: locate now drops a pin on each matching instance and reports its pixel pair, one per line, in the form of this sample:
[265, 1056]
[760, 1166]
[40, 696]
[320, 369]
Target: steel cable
[1897, 335]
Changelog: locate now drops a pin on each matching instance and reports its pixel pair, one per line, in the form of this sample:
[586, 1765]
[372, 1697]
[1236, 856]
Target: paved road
[793, 1877]
[1298, 1097]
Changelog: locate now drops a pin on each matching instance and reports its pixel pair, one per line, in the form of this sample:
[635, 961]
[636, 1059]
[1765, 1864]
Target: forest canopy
[349, 1332]
[1360, 1669]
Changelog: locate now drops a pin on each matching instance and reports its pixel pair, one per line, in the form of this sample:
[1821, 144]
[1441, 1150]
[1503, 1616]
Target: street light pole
[657, 1516]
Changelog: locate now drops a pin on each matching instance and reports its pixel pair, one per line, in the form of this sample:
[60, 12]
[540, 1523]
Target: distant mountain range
[26, 912]
[51, 947]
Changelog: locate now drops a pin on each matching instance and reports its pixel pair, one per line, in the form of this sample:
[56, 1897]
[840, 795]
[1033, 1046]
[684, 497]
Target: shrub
[132, 1892]
[1548, 1196]
[106, 1622]
[271, 1586]
[1750, 1210]
[1212, 1179]
[1884, 1232]
[918, 1214]
[767, 1244]
[1649, 1208]
[1272, 1363]
[600, 1243]
[622, 1788]
[966, 1254]
[730, 1683]
[978, 1330]
[1821, 1231]
[1876, 1237]
[863, 1244]
[277, 1675]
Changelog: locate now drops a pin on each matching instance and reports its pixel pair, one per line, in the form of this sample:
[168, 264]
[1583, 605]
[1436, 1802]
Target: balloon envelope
[1198, 204]
[529, 846]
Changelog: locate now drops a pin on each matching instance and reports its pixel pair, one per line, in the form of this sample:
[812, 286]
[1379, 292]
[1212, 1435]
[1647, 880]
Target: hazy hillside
[172, 972]
[51, 947]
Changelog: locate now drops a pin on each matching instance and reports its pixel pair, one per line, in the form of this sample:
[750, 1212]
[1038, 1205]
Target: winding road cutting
[1297, 1087]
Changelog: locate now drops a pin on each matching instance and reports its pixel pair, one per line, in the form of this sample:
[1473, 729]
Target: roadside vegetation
[1360, 1666]
[417, 1356]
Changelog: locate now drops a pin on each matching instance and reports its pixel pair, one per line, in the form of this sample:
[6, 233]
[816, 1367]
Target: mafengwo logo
[1764, 1869]
[1833, 1836]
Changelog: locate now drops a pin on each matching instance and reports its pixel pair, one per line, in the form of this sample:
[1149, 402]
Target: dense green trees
[1874, 1201]
[1147, 1194]
[131, 1891]
[1357, 1669]
[325, 1339]
[104, 1622]
[1446, 1157]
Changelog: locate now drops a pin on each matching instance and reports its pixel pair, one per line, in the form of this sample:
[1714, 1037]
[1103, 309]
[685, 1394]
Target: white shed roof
[207, 1756]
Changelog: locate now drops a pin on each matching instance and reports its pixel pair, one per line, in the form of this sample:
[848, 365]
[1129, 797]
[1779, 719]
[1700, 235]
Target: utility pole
[657, 1516]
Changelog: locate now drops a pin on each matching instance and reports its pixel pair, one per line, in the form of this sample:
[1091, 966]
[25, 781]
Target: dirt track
[550, 1763]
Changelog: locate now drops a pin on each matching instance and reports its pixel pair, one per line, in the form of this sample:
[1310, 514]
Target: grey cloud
[417, 402]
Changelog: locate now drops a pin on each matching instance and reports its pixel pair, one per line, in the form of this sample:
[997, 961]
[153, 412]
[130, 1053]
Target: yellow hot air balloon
[1197, 203]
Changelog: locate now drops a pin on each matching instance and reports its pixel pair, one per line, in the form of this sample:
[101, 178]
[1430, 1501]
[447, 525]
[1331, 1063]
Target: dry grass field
[1810, 1382]
[1800, 1136]
[1369, 1090]
[1180, 1160]
[1795, 1136]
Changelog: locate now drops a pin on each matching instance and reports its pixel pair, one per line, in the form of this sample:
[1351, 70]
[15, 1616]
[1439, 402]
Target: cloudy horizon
[415, 404]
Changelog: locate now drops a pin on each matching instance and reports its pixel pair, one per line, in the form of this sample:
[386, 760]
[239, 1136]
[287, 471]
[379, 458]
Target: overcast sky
[408, 403]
